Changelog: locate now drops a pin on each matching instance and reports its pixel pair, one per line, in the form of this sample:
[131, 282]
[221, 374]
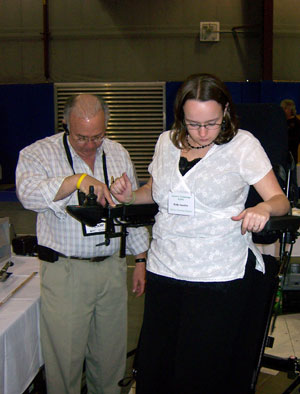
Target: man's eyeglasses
[83, 139]
[197, 126]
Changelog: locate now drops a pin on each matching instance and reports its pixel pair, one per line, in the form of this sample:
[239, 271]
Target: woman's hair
[291, 104]
[203, 87]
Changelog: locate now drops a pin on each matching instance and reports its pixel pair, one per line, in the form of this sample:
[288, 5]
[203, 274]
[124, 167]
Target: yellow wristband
[80, 180]
[132, 199]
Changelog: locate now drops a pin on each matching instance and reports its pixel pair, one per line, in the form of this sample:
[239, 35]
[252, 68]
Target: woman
[202, 261]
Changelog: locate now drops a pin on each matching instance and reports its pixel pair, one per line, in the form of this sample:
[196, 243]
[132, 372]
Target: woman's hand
[274, 203]
[121, 189]
[253, 219]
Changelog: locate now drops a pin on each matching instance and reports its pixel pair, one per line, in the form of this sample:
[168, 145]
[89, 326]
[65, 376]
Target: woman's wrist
[133, 198]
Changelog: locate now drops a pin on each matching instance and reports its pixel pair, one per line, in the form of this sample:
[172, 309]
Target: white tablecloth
[20, 348]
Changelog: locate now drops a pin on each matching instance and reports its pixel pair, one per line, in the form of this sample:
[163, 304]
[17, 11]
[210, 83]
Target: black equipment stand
[122, 215]
[289, 365]
[287, 227]
[125, 216]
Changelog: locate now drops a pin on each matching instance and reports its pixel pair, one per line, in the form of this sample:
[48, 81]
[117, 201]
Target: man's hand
[69, 186]
[139, 279]
[100, 189]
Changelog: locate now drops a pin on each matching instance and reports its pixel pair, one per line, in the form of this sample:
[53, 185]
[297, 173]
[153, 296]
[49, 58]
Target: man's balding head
[85, 106]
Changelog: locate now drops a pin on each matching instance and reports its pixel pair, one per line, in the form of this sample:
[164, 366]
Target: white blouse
[207, 246]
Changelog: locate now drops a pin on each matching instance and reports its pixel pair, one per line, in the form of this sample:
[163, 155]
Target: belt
[50, 255]
[92, 259]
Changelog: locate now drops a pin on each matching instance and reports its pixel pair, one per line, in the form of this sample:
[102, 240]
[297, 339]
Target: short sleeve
[254, 162]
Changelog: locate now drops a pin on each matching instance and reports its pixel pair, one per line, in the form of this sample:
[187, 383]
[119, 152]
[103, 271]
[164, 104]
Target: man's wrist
[81, 178]
[141, 260]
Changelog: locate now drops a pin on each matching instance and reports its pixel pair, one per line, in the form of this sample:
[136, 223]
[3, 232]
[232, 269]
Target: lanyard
[81, 195]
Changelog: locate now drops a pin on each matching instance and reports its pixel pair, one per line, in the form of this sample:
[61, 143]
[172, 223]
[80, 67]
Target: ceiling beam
[268, 40]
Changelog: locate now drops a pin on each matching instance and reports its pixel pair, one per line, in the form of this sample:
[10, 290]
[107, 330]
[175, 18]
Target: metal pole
[268, 40]
[46, 37]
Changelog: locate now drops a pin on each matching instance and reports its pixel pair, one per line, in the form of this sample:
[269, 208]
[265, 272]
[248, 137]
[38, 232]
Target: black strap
[70, 160]
[105, 169]
[67, 150]
[81, 195]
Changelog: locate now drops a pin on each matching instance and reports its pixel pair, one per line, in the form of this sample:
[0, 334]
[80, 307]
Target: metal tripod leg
[284, 260]
[291, 388]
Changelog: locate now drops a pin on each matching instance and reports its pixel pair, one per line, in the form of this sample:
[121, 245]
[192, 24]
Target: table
[20, 348]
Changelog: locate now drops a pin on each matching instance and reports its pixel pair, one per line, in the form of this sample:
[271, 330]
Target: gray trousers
[84, 316]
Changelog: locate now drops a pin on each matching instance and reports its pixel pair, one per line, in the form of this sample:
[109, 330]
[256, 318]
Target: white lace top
[207, 246]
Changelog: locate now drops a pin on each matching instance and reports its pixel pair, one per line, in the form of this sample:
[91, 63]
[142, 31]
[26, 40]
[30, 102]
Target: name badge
[181, 203]
[96, 229]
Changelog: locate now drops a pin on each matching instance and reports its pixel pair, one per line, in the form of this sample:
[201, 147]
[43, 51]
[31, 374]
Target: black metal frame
[287, 227]
[125, 216]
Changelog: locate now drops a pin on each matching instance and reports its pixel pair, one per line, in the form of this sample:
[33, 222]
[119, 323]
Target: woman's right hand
[121, 189]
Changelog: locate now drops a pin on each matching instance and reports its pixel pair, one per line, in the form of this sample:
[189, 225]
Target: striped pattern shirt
[42, 168]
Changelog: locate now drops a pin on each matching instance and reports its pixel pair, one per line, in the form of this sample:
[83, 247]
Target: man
[293, 122]
[83, 285]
